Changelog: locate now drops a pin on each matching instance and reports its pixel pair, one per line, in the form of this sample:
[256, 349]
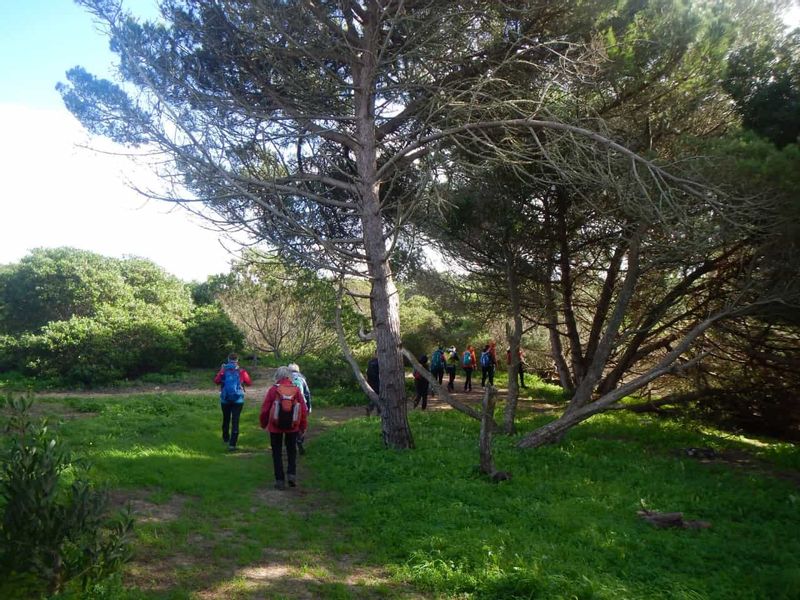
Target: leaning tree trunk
[554, 431]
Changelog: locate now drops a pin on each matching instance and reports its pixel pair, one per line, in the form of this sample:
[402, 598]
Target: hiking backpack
[231, 384]
[467, 359]
[286, 409]
[486, 360]
[437, 360]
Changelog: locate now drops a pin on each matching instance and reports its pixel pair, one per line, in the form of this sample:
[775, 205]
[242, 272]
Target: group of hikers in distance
[284, 413]
[448, 361]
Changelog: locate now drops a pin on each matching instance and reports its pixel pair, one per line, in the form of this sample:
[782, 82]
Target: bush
[54, 535]
[211, 336]
[327, 372]
[9, 349]
[114, 345]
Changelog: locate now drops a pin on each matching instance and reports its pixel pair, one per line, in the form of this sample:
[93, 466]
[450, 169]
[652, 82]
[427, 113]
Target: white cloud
[57, 194]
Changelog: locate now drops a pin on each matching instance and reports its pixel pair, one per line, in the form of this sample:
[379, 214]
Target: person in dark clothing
[521, 366]
[468, 364]
[421, 384]
[231, 378]
[374, 381]
[487, 366]
[437, 364]
[451, 368]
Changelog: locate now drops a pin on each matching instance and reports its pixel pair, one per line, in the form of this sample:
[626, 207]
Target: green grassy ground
[372, 523]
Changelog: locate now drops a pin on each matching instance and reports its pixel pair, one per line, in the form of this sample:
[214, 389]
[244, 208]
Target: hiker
[285, 415]
[231, 378]
[437, 364]
[300, 381]
[493, 351]
[521, 366]
[451, 367]
[421, 384]
[468, 363]
[487, 366]
[374, 381]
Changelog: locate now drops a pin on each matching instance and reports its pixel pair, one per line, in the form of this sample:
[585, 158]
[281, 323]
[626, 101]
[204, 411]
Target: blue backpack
[467, 359]
[486, 360]
[231, 384]
[437, 360]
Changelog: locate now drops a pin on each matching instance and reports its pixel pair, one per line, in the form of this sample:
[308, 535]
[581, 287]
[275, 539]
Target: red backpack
[286, 409]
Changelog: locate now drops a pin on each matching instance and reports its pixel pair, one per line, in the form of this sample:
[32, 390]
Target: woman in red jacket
[284, 415]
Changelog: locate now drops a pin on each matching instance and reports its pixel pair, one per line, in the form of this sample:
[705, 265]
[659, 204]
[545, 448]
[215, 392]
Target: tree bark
[487, 427]
[514, 337]
[384, 300]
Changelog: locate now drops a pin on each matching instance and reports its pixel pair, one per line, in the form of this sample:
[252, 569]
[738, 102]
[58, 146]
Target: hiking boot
[231, 448]
[280, 484]
[292, 481]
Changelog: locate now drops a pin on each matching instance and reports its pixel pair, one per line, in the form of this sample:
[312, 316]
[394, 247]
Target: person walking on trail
[284, 415]
[437, 364]
[521, 370]
[451, 367]
[300, 381]
[231, 378]
[487, 366]
[468, 363]
[374, 381]
[421, 384]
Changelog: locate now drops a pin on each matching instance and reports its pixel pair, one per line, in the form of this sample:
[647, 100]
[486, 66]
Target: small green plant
[55, 531]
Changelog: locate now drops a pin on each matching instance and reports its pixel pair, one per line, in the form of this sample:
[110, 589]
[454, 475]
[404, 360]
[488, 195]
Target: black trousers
[468, 380]
[451, 373]
[230, 422]
[277, 440]
[438, 374]
[487, 373]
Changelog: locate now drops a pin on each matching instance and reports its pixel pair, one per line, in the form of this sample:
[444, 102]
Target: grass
[425, 523]
[565, 526]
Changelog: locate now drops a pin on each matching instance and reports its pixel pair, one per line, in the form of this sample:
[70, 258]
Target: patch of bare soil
[147, 511]
[55, 410]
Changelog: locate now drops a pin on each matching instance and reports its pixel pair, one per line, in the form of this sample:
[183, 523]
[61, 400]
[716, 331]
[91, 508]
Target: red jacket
[269, 400]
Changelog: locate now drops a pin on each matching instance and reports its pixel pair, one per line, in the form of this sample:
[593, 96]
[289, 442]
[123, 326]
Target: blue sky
[57, 194]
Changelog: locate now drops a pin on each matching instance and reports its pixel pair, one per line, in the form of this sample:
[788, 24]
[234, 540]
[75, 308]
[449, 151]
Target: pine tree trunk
[514, 336]
[384, 300]
[487, 427]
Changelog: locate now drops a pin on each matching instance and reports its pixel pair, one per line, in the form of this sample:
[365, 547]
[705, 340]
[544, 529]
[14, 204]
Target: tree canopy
[326, 128]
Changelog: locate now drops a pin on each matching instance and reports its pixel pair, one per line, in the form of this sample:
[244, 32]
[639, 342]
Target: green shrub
[55, 534]
[114, 345]
[211, 336]
[9, 350]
